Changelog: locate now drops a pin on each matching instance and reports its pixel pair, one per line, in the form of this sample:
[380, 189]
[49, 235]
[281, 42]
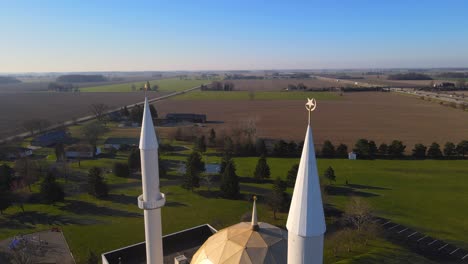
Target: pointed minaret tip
[148, 138]
[255, 226]
[306, 217]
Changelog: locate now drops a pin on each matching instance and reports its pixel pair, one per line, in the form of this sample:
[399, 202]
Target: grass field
[244, 95]
[165, 85]
[419, 194]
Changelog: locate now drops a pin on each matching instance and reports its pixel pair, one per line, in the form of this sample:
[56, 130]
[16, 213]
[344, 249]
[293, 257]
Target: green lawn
[245, 95]
[165, 85]
[428, 195]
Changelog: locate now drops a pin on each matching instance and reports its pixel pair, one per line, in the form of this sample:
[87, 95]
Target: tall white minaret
[152, 199]
[306, 219]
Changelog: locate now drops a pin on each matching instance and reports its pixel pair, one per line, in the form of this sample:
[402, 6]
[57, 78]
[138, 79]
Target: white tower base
[305, 250]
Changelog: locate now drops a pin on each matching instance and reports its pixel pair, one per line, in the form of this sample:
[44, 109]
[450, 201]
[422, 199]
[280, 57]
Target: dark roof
[49, 138]
[122, 141]
[185, 242]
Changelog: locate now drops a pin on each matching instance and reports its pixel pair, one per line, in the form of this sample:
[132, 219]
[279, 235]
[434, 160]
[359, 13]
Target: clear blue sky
[101, 35]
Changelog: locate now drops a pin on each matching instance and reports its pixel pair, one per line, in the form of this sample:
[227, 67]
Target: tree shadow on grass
[80, 207]
[175, 204]
[346, 191]
[209, 193]
[359, 186]
[122, 199]
[28, 219]
[255, 190]
[253, 180]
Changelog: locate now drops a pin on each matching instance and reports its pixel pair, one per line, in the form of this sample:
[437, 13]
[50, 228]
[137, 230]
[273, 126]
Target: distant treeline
[409, 76]
[62, 87]
[218, 86]
[455, 75]
[78, 78]
[342, 76]
[7, 79]
[242, 77]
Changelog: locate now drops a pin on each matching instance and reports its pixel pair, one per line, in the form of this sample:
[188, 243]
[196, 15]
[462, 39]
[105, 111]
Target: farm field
[379, 116]
[280, 84]
[372, 79]
[56, 107]
[165, 85]
[263, 95]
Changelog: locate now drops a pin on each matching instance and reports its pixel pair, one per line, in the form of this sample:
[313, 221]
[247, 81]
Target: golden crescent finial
[310, 106]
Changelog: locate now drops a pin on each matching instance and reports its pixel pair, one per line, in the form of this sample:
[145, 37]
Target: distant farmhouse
[49, 139]
[11, 153]
[117, 143]
[444, 85]
[81, 151]
[183, 117]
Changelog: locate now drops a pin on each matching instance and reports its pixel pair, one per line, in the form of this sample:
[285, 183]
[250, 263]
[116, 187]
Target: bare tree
[99, 110]
[358, 213]
[92, 132]
[36, 125]
[26, 169]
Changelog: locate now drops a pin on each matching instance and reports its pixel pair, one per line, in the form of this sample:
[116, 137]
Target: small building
[352, 155]
[184, 117]
[15, 152]
[50, 138]
[81, 151]
[117, 143]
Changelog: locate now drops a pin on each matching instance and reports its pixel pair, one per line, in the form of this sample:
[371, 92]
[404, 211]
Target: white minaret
[306, 219]
[152, 199]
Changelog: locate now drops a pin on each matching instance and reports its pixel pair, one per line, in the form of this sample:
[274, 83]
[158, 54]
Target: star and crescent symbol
[311, 104]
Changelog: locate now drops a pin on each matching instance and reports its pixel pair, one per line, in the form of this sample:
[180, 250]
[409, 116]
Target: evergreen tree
[419, 151]
[278, 198]
[59, 152]
[372, 149]
[342, 151]
[96, 184]
[330, 174]
[200, 144]
[396, 149]
[134, 162]
[224, 161]
[462, 148]
[230, 182]
[162, 168]
[280, 149]
[50, 190]
[434, 151]
[328, 150]
[449, 150]
[228, 145]
[292, 174]
[383, 149]
[5, 200]
[193, 167]
[212, 137]
[6, 178]
[292, 149]
[121, 170]
[262, 170]
[361, 148]
[260, 147]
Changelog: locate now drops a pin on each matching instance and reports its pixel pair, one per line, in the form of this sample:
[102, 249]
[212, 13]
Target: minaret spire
[255, 226]
[152, 199]
[306, 219]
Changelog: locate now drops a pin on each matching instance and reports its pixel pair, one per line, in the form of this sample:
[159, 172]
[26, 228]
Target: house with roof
[117, 143]
[12, 153]
[49, 139]
[81, 151]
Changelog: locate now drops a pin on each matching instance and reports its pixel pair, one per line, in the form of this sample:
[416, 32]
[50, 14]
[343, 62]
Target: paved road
[90, 117]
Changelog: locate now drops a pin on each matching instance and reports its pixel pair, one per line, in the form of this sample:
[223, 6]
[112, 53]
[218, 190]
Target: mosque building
[246, 242]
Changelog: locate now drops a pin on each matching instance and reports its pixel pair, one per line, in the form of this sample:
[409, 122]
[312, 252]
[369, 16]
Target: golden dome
[241, 243]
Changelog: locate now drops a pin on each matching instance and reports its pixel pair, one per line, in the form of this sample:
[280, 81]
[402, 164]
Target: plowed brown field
[381, 117]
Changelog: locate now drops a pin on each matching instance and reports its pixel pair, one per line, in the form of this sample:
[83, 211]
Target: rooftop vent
[181, 259]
